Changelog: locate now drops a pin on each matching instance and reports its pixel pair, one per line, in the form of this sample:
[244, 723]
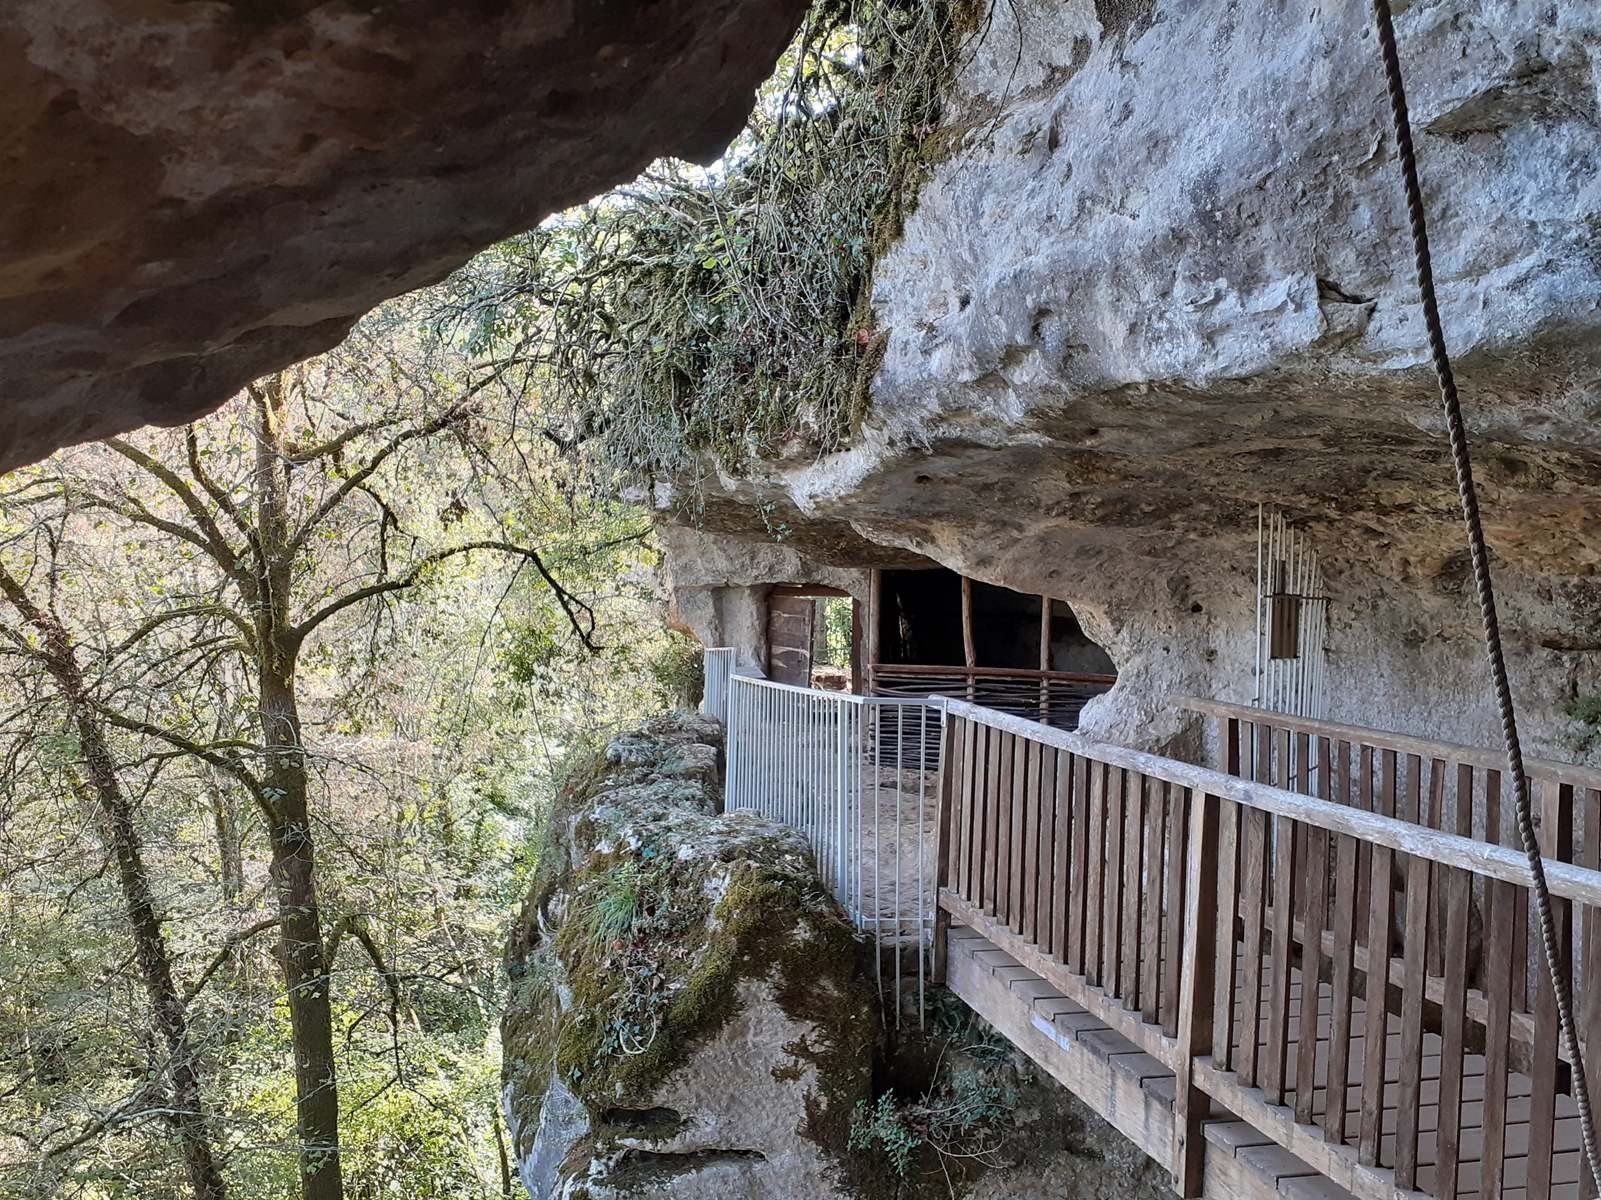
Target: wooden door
[789, 638]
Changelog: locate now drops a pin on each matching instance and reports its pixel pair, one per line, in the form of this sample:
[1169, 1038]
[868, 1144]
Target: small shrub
[612, 916]
[882, 1126]
[1584, 713]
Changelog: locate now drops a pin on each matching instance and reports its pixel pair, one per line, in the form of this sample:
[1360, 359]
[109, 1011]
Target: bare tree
[296, 533]
[54, 650]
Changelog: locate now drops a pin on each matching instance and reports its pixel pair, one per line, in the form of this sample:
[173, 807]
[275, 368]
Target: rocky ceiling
[200, 191]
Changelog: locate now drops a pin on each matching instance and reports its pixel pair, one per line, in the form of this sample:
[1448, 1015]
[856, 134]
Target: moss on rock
[655, 930]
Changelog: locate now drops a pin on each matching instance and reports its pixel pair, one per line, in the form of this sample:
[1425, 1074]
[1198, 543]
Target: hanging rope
[1561, 984]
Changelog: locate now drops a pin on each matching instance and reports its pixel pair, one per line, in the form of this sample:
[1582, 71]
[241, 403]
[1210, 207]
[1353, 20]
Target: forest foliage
[702, 319]
[434, 713]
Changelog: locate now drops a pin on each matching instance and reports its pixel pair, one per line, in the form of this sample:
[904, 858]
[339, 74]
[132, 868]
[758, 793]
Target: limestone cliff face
[691, 1013]
[1160, 273]
[197, 193]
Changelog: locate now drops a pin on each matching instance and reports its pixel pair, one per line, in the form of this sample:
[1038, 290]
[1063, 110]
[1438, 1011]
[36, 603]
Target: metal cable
[1561, 984]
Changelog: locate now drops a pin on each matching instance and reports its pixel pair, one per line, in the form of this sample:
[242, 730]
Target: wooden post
[969, 653]
[1198, 990]
[875, 596]
[1045, 658]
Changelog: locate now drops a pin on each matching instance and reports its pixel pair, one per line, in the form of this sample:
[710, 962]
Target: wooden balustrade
[1050, 697]
[1311, 939]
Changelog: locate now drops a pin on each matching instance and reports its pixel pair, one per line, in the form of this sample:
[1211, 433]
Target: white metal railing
[717, 666]
[858, 777]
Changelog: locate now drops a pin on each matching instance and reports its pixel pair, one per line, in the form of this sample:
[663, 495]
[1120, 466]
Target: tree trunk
[300, 946]
[187, 1112]
[230, 857]
[301, 950]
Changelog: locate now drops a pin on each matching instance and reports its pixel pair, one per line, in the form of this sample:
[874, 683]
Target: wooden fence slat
[1381, 899]
[1316, 887]
[1080, 861]
[1112, 934]
[1435, 819]
[1203, 889]
[1064, 768]
[1456, 898]
[1155, 898]
[1413, 1002]
[1341, 970]
[968, 733]
[1498, 968]
[1095, 893]
[1044, 875]
[1556, 841]
[1001, 890]
[1278, 1015]
[946, 852]
[1134, 899]
[994, 752]
[1365, 791]
[1025, 832]
[1253, 889]
[1228, 855]
[1176, 908]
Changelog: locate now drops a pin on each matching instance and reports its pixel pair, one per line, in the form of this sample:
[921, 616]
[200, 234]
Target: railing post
[841, 812]
[733, 761]
[942, 851]
[1197, 991]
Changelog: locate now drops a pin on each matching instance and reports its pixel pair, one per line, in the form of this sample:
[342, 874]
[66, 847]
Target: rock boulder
[691, 1013]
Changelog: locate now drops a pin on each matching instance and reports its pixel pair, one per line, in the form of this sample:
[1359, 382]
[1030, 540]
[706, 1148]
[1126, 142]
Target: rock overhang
[203, 192]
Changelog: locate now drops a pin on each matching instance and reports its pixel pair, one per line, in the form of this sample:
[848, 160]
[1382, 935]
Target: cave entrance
[933, 631]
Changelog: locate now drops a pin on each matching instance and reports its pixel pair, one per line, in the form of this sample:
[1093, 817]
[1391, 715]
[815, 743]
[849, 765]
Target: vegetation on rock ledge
[712, 317]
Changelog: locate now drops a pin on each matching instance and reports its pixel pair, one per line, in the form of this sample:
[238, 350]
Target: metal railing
[858, 777]
[717, 667]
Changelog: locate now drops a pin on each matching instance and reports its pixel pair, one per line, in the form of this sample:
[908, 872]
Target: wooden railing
[1049, 697]
[1256, 939]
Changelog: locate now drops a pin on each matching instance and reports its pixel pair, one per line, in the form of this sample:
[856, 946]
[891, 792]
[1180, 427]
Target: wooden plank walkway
[1175, 908]
[1133, 1091]
[1128, 1088]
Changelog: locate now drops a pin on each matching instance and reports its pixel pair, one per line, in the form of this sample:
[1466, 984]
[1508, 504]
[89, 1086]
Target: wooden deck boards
[1134, 1091]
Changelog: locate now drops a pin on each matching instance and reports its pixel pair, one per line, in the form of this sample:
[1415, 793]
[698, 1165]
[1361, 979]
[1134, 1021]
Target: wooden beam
[875, 593]
[1045, 633]
[969, 653]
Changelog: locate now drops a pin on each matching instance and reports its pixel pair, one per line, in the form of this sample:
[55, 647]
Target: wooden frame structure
[1038, 694]
[1287, 943]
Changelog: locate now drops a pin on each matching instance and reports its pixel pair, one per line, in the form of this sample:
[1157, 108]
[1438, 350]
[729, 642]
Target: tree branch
[208, 527]
[206, 753]
[151, 624]
[579, 614]
[230, 944]
[351, 482]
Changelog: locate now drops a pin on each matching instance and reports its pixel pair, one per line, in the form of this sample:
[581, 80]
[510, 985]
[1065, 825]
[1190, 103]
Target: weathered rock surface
[691, 1013]
[1162, 273]
[197, 193]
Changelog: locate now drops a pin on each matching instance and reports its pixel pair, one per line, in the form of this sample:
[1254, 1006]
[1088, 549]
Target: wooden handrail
[1212, 921]
[1457, 752]
[993, 673]
[1571, 882]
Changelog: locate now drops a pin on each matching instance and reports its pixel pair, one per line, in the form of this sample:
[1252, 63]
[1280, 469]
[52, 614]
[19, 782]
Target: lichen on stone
[689, 965]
